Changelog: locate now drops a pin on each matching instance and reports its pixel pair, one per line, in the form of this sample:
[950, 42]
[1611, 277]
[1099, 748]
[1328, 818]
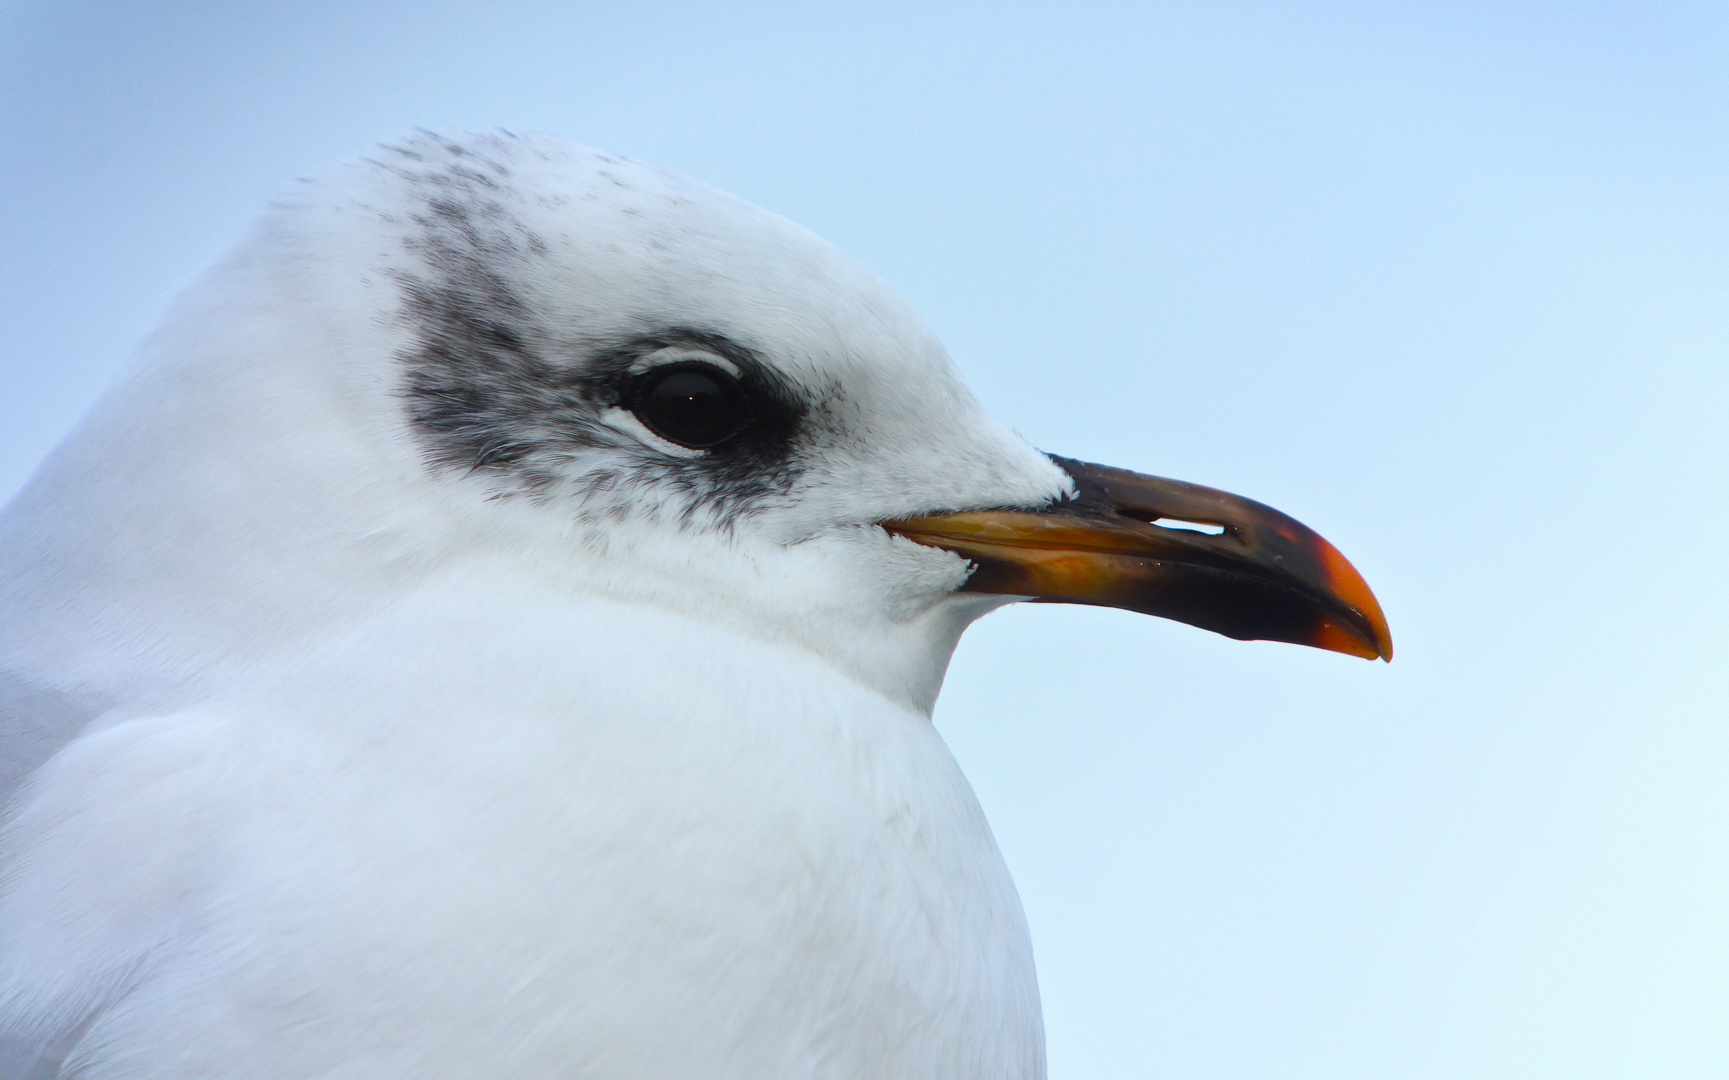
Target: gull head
[502, 355]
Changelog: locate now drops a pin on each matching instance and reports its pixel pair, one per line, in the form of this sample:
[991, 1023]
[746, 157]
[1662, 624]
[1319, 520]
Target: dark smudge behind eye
[487, 392]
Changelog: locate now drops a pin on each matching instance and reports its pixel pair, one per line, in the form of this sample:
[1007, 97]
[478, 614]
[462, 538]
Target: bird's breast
[659, 850]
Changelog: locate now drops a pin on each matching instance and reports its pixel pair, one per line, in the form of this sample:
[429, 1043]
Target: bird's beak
[1254, 575]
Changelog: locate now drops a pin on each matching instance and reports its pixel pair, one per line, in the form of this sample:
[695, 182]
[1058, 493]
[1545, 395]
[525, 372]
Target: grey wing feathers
[35, 722]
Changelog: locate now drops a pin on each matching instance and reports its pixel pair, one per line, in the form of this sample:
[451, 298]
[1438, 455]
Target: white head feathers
[420, 360]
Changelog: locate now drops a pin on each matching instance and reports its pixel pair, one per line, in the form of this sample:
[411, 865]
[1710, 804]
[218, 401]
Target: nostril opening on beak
[1152, 517]
[1188, 526]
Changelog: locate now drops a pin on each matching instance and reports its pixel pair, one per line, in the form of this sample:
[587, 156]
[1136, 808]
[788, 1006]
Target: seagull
[493, 631]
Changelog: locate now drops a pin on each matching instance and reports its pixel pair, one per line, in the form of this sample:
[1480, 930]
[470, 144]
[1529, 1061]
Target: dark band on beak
[1262, 576]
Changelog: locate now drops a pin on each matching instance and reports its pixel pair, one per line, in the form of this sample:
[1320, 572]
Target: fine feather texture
[384, 701]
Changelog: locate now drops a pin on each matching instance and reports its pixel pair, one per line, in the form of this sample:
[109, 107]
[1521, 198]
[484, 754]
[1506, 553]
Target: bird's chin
[930, 643]
[892, 610]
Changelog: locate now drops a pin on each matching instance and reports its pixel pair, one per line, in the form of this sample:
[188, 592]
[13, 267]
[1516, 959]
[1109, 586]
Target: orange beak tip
[1335, 638]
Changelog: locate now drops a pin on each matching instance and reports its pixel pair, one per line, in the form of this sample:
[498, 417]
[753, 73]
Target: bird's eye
[693, 404]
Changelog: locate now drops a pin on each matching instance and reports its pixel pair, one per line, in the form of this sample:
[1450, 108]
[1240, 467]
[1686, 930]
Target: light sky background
[1447, 281]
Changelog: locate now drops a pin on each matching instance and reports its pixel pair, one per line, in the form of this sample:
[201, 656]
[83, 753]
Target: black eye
[693, 404]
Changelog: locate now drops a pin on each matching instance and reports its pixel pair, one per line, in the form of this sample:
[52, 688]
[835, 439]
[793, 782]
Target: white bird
[493, 632]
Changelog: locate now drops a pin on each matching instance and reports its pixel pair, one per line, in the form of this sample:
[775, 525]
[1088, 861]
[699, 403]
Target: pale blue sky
[1449, 282]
